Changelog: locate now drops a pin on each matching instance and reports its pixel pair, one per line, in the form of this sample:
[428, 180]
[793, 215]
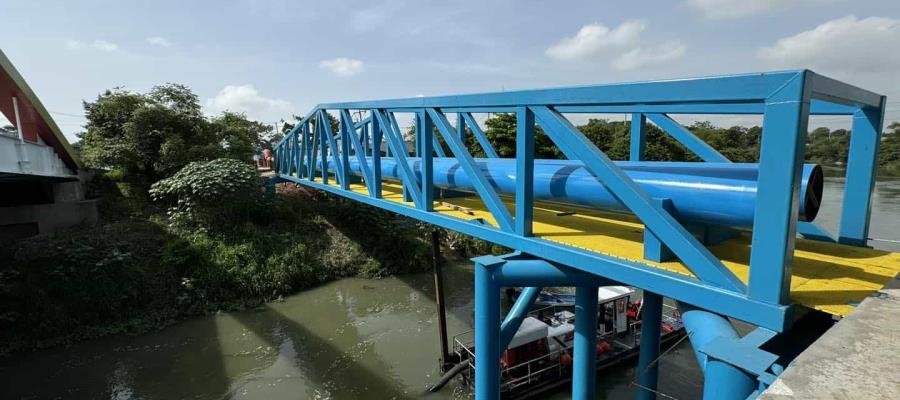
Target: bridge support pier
[734, 367]
[648, 368]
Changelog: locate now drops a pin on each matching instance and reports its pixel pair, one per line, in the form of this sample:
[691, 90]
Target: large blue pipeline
[704, 193]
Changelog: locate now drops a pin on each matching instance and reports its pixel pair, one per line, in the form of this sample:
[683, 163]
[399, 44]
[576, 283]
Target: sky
[272, 59]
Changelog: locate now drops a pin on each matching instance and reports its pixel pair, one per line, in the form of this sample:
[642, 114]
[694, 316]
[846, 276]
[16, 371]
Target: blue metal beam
[487, 330]
[584, 366]
[480, 136]
[778, 192]
[517, 314]
[721, 89]
[687, 138]
[479, 181]
[577, 147]
[360, 152]
[638, 142]
[588, 266]
[391, 136]
[426, 131]
[648, 368]
[862, 162]
[332, 145]
[524, 171]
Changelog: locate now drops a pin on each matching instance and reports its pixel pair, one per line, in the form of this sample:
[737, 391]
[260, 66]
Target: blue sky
[270, 59]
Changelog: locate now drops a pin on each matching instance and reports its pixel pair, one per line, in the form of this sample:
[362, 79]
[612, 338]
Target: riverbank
[137, 274]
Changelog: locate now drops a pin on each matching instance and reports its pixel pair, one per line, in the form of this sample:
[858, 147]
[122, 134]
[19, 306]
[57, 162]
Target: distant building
[40, 174]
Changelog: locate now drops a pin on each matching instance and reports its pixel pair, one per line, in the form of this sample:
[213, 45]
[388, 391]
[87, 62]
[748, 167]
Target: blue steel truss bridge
[722, 239]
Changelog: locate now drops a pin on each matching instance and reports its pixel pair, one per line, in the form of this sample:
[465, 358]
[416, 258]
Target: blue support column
[461, 127]
[638, 136]
[865, 136]
[584, 366]
[778, 191]
[376, 156]
[648, 369]
[487, 329]
[426, 142]
[524, 171]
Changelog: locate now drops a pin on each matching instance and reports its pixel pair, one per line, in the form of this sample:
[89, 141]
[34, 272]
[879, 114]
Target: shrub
[212, 194]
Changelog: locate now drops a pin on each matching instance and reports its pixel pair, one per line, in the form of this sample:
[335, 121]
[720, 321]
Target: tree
[149, 136]
[238, 135]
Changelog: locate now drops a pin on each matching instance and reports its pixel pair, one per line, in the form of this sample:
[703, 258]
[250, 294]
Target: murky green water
[355, 338]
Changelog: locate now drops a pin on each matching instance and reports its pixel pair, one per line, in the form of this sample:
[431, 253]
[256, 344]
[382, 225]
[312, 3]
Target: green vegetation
[140, 274]
[211, 239]
[147, 137]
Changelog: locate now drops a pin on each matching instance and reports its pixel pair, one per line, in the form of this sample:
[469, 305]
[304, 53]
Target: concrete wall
[65, 208]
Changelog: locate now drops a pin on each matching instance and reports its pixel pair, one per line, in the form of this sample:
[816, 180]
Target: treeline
[738, 143]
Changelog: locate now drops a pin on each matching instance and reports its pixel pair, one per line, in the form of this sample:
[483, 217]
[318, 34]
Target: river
[353, 338]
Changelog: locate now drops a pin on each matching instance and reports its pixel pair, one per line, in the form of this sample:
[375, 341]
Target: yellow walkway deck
[827, 277]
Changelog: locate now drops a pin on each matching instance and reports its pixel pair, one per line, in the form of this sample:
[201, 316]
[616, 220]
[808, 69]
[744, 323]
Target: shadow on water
[184, 361]
[333, 372]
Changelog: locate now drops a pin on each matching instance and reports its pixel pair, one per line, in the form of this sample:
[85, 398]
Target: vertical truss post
[638, 141]
[778, 190]
[376, 156]
[584, 366]
[648, 369]
[426, 131]
[524, 171]
[323, 131]
[313, 147]
[346, 125]
[304, 144]
[296, 153]
[487, 329]
[865, 136]
[460, 127]
[364, 137]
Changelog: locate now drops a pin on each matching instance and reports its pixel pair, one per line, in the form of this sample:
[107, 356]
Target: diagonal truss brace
[358, 148]
[479, 181]
[398, 150]
[577, 147]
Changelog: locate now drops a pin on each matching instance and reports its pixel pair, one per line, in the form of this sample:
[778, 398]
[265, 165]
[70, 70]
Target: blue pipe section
[721, 380]
[704, 193]
[584, 362]
[517, 314]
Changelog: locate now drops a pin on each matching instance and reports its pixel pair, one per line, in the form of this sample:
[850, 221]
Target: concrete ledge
[50, 217]
[859, 358]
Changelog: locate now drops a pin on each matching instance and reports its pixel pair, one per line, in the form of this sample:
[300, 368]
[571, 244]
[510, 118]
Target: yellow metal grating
[827, 277]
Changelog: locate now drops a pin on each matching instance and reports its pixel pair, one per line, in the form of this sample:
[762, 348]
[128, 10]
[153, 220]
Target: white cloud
[98, 44]
[643, 57]
[342, 66]
[159, 41]
[74, 45]
[722, 9]
[246, 99]
[595, 38]
[843, 46]
[104, 45]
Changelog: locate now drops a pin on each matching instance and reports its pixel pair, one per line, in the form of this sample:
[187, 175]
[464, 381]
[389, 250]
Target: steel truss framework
[785, 99]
